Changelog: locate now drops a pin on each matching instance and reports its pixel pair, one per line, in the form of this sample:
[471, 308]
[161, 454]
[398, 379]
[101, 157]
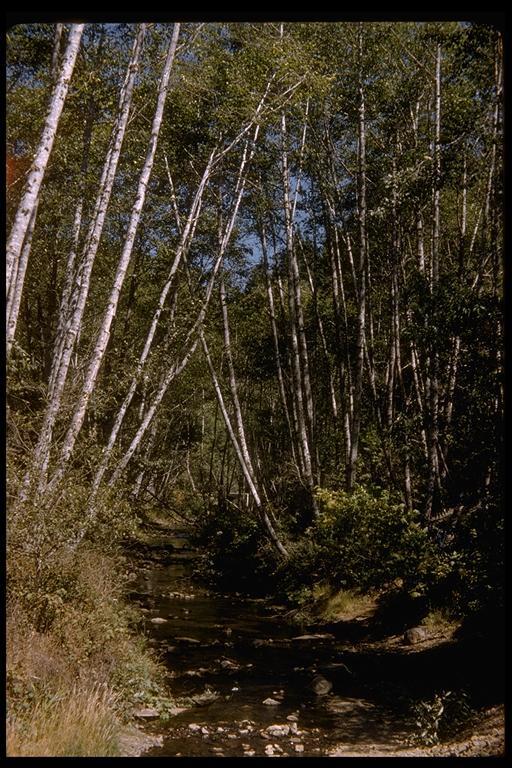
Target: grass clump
[76, 664]
[439, 620]
[346, 604]
[81, 722]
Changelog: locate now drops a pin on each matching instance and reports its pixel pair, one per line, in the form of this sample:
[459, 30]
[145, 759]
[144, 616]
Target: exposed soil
[485, 739]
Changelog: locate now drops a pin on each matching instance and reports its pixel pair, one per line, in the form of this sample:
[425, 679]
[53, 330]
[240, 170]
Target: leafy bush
[442, 717]
[231, 540]
[365, 539]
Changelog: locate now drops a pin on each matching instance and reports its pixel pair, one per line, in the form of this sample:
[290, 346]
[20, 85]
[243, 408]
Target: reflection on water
[230, 654]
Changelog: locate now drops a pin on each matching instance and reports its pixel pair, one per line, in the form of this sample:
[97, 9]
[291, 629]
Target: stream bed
[249, 678]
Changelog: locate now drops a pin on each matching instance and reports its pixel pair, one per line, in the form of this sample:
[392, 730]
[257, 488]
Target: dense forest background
[254, 280]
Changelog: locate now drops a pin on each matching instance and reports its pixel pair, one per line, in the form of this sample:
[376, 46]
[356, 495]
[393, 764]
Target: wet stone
[320, 685]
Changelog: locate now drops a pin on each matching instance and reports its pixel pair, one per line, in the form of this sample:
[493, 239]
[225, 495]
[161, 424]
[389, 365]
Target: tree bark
[104, 332]
[239, 454]
[362, 268]
[26, 212]
[433, 368]
[58, 376]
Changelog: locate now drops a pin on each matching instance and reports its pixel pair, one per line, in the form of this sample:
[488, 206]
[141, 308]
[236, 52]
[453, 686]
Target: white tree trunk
[26, 211]
[16, 288]
[70, 274]
[37, 471]
[300, 369]
[186, 238]
[275, 336]
[104, 332]
[433, 366]
[248, 475]
[362, 273]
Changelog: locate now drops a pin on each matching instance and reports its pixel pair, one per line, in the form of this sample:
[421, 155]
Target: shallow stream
[228, 655]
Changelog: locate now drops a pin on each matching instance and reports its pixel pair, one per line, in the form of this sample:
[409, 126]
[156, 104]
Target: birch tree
[58, 376]
[362, 274]
[104, 332]
[24, 220]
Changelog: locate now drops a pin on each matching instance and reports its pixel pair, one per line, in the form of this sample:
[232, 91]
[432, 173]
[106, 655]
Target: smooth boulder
[416, 635]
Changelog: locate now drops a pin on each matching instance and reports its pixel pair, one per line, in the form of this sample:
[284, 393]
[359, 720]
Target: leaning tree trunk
[26, 211]
[14, 298]
[248, 476]
[189, 348]
[37, 472]
[104, 332]
[186, 238]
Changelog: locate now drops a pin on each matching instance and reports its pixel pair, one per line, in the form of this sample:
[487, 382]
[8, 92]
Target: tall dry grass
[80, 724]
[76, 663]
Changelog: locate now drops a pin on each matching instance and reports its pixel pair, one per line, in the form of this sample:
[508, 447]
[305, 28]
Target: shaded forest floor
[485, 738]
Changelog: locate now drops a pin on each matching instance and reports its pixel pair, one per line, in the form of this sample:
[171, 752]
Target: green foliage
[313, 75]
[475, 580]
[441, 717]
[366, 538]
[230, 538]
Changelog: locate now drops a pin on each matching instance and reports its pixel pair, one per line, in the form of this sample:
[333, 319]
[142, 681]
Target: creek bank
[485, 739]
[134, 741]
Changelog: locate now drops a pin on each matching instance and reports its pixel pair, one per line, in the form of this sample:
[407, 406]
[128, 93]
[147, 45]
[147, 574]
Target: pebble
[249, 753]
[298, 747]
[270, 702]
[228, 664]
[158, 620]
[194, 727]
[292, 718]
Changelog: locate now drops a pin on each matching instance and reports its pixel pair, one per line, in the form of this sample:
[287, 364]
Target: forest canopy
[254, 273]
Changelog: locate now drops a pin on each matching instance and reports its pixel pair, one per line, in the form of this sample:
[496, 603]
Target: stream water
[227, 655]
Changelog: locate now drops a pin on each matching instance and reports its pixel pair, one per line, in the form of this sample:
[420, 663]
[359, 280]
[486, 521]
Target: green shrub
[366, 538]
